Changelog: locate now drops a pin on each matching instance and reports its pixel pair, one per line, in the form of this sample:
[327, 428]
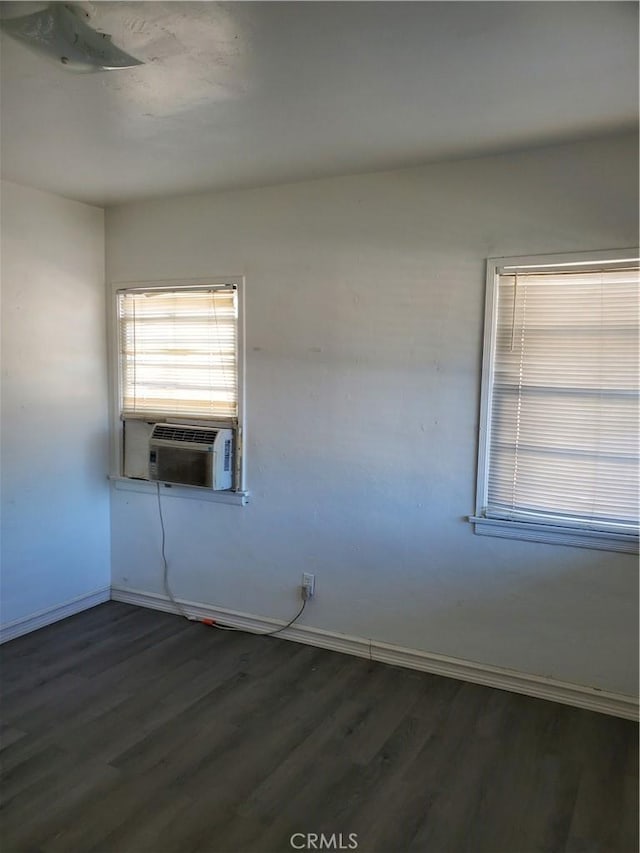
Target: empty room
[319, 427]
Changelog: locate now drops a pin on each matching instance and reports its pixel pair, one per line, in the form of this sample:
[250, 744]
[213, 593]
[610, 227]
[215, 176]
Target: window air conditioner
[191, 456]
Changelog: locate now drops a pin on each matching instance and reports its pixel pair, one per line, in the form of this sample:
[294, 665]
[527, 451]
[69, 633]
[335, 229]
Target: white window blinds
[178, 352]
[564, 399]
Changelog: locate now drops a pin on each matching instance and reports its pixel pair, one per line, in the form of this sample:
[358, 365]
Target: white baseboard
[11, 630]
[577, 695]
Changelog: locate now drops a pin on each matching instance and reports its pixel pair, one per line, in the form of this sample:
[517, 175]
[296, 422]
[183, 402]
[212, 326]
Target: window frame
[115, 389]
[534, 531]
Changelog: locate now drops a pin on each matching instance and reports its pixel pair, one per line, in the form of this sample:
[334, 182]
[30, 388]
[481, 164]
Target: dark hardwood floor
[127, 730]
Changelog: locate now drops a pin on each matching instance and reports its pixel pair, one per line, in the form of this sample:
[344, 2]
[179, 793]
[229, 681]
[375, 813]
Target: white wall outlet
[308, 585]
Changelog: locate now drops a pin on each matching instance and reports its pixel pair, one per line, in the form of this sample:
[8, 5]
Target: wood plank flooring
[126, 730]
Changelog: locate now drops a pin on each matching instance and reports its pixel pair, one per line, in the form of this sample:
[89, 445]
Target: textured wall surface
[55, 496]
[365, 300]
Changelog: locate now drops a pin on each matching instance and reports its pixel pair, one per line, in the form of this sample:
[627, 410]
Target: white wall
[364, 332]
[55, 498]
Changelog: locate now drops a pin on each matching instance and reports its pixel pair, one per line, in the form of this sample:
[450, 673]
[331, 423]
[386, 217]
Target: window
[559, 422]
[178, 352]
[180, 359]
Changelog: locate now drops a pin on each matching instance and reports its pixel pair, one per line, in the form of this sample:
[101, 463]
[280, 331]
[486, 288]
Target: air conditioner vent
[178, 432]
[191, 455]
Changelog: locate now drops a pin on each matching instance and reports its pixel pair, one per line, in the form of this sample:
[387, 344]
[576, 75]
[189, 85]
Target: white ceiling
[246, 94]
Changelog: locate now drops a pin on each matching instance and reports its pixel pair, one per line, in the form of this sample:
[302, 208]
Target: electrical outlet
[308, 585]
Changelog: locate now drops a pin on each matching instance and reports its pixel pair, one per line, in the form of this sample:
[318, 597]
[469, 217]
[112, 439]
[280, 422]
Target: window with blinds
[179, 352]
[562, 408]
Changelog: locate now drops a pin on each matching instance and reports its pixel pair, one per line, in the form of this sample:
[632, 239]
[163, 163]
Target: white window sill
[551, 534]
[170, 490]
